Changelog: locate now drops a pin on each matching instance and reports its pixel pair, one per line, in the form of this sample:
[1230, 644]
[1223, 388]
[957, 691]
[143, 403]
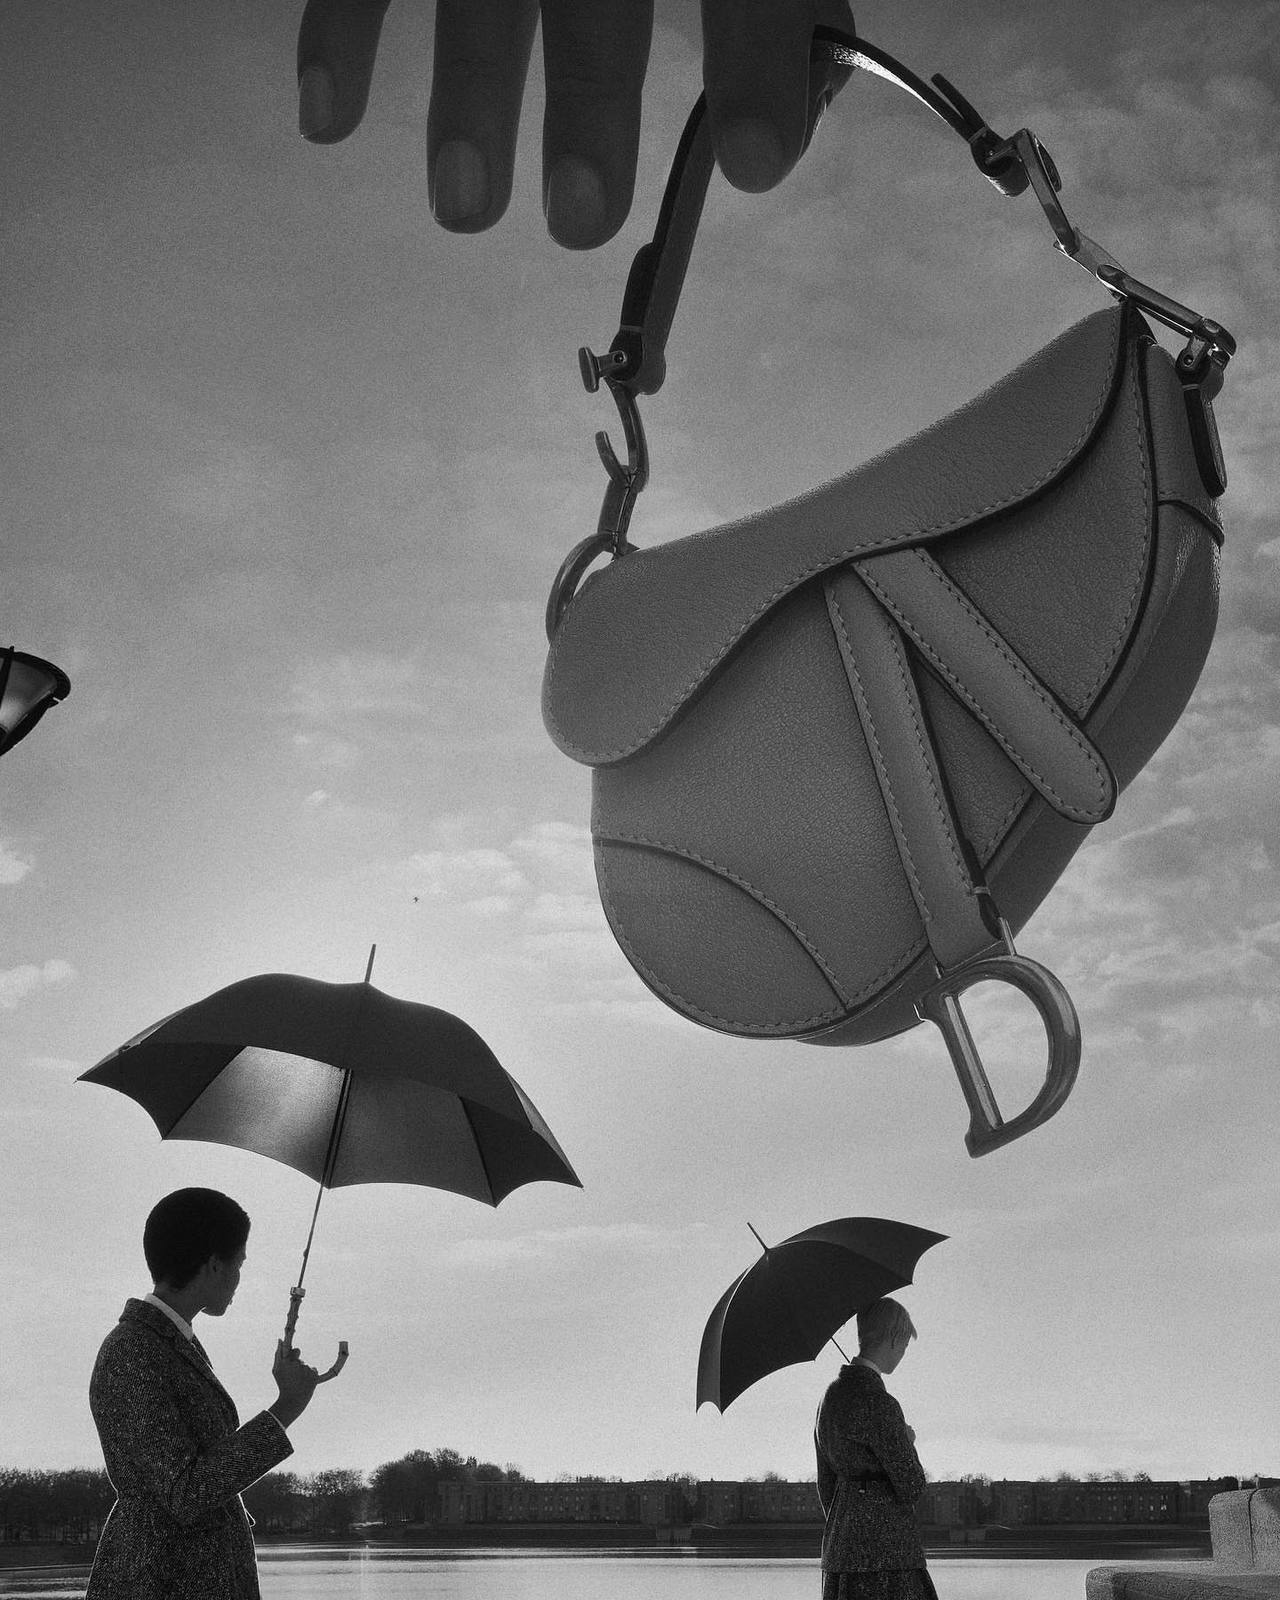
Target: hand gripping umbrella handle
[291, 1323]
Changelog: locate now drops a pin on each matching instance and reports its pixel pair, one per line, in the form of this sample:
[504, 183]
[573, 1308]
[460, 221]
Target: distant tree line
[55, 1507]
[70, 1506]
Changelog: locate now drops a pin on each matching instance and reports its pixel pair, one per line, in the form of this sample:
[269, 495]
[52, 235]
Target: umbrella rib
[166, 1133]
[484, 1165]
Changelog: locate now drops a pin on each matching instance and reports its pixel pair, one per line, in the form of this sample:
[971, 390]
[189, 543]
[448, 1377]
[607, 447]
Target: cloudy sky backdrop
[285, 472]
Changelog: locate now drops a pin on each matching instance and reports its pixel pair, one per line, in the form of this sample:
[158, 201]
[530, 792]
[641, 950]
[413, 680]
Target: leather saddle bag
[842, 749]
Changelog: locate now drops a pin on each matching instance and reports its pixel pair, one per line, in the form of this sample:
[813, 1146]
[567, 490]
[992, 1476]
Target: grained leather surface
[745, 854]
[642, 635]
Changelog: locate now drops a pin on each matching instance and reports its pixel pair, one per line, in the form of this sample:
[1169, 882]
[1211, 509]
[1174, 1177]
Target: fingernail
[751, 155]
[315, 102]
[460, 183]
[573, 203]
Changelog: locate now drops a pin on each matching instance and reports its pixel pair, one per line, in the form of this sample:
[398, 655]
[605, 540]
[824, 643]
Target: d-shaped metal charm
[941, 1005]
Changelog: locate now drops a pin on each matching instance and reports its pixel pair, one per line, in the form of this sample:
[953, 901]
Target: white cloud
[490, 905]
[57, 1066]
[13, 867]
[559, 846]
[626, 1238]
[360, 683]
[18, 982]
[537, 890]
[477, 873]
[326, 750]
[563, 912]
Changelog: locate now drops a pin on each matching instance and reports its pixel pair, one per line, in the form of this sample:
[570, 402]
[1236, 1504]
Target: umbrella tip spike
[368, 971]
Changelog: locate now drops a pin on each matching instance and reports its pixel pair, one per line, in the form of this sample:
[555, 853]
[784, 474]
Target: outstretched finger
[337, 44]
[594, 55]
[481, 60]
[756, 75]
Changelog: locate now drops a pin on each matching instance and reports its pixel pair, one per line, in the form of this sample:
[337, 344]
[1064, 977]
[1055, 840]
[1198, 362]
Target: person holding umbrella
[869, 1475]
[174, 1448]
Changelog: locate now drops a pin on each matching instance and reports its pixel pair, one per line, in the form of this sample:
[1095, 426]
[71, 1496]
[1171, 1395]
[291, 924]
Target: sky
[285, 474]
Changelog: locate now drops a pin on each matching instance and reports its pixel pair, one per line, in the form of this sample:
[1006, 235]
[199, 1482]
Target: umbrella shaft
[335, 1135]
[306, 1249]
[330, 1162]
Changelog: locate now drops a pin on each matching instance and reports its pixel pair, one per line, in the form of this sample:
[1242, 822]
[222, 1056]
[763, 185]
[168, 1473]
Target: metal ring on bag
[572, 570]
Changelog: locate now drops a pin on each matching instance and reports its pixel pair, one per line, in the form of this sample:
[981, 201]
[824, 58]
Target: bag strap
[968, 938]
[635, 362]
[959, 918]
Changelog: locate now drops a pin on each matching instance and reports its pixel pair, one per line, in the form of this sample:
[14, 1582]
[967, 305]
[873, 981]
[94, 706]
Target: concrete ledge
[1244, 1526]
[1185, 1580]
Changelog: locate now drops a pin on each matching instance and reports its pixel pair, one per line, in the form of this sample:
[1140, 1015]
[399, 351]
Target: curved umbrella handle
[295, 1301]
[338, 1365]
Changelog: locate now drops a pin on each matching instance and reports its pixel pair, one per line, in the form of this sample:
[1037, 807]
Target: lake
[326, 1573]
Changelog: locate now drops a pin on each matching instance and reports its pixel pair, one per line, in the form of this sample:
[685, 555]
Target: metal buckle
[940, 1005]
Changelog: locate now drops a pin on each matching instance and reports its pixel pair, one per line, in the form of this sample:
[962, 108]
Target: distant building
[1012, 1502]
[1194, 1497]
[565, 1500]
[952, 1504]
[776, 1500]
[720, 1503]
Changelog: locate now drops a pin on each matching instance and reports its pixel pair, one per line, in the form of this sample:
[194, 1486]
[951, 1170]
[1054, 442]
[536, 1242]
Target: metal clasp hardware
[1210, 346]
[941, 1005]
[625, 483]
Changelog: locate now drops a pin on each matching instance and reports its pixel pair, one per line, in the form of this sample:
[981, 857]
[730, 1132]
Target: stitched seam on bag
[820, 565]
[1122, 631]
[1036, 689]
[756, 893]
[701, 1012]
[915, 948]
[651, 977]
[900, 831]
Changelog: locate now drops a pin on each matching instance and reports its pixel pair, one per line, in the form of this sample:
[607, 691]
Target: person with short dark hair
[869, 1475]
[175, 1451]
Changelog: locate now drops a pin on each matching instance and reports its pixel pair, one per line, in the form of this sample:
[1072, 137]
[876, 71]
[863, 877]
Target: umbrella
[785, 1307]
[343, 1083]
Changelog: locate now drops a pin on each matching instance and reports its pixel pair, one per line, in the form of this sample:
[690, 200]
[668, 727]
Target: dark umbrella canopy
[263, 1065]
[785, 1307]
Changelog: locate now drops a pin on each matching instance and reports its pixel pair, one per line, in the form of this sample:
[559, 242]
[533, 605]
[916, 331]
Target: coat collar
[139, 1312]
[860, 1372]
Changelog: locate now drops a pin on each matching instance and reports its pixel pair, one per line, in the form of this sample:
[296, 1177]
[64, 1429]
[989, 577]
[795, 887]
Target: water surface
[326, 1573]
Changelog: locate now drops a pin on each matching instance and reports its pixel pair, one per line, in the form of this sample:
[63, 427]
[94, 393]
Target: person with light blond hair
[869, 1475]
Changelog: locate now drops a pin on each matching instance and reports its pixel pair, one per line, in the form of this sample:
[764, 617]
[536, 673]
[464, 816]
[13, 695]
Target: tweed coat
[177, 1458]
[861, 1430]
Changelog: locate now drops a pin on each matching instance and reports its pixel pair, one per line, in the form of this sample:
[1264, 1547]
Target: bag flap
[643, 634]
